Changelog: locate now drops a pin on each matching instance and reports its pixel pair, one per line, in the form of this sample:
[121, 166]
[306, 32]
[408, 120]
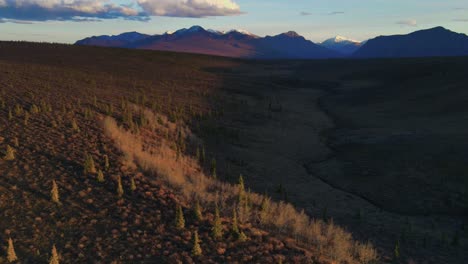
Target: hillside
[359, 146]
[434, 42]
[113, 162]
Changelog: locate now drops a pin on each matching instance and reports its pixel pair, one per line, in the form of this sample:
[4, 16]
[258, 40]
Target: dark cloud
[303, 13]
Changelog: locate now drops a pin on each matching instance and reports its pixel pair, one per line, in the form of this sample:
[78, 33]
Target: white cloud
[85, 10]
[409, 22]
[42, 10]
[190, 8]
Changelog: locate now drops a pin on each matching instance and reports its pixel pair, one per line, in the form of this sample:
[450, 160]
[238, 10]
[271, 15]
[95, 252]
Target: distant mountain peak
[291, 34]
[196, 29]
[339, 39]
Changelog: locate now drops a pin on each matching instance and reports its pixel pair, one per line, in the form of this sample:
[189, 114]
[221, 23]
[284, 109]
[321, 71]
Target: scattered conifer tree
[203, 155]
[54, 193]
[179, 219]
[34, 109]
[54, 259]
[26, 118]
[132, 185]
[89, 166]
[10, 153]
[213, 168]
[196, 250]
[217, 229]
[396, 251]
[241, 190]
[75, 126]
[100, 176]
[264, 210]
[18, 110]
[197, 153]
[106, 162]
[197, 211]
[120, 190]
[237, 233]
[11, 254]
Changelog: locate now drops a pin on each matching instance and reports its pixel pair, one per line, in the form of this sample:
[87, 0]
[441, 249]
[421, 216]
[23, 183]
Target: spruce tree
[100, 176]
[54, 193]
[120, 190]
[54, 259]
[106, 162]
[89, 167]
[196, 250]
[75, 126]
[264, 210]
[11, 254]
[213, 168]
[179, 219]
[132, 185]
[10, 153]
[237, 233]
[217, 229]
[197, 211]
[241, 190]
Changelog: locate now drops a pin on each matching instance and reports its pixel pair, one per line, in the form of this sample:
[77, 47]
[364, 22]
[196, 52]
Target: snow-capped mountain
[342, 44]
[233, 43]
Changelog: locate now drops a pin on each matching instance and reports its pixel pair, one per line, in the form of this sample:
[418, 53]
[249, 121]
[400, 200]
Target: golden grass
[152, 150]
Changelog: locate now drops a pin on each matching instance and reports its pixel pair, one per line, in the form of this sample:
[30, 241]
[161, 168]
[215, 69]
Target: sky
[66, 21]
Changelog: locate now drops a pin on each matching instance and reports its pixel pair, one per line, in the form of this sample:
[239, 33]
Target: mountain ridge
[238, 43]
[233, 43]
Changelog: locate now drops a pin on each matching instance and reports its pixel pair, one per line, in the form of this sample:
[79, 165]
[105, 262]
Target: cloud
[461, 20]
[336, 13]
[303, 13]
[408, 22]
[96, 10]
[43, 10]
[189, 8]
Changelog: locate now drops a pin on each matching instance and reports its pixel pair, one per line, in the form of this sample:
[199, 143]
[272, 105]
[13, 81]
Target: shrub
[366, 253]
[54, 193]
[179, 218]
[196, 250]
[10, 153]
[11, 254]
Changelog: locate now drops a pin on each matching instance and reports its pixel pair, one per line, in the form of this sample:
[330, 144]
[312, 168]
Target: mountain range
[436, 41]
